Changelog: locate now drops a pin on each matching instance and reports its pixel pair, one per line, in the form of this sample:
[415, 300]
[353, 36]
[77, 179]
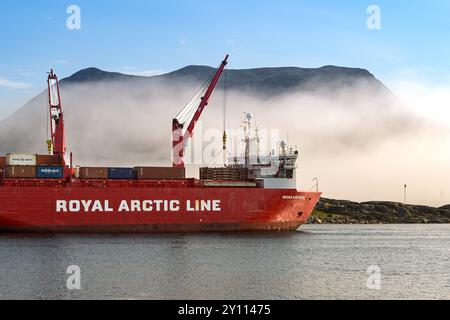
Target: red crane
[56, 144]
[180, 138]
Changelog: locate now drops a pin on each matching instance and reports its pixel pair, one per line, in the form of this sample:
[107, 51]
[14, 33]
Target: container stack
[20, 165]
[225, 174]
[32, 166]
[140, 173]
[49, 167]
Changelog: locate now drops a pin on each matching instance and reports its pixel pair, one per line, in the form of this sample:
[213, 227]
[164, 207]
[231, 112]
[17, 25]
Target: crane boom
[180, 138]
[57, 141]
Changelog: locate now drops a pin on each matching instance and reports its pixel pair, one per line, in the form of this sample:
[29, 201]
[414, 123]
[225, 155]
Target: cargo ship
[46, 193]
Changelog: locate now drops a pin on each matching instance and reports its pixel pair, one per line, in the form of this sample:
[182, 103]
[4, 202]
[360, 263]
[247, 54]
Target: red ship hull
[153, 207]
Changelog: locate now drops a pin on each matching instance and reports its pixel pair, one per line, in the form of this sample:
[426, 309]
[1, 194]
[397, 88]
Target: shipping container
[230, 184]
[76, 172]
[21, 172]
[2, 162]
[162, 173]
[49, 172]
[48, 160]
[93, 173]
[20, 159]
[227, 173]
[121, 173]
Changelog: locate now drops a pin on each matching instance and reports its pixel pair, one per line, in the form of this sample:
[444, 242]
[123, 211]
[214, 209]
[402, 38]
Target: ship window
[300, 214]
[289, 174]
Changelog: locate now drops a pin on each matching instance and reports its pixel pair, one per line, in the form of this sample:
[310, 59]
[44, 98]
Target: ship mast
[191, 116]
[258, 146]
[56, 144]
[247, 123]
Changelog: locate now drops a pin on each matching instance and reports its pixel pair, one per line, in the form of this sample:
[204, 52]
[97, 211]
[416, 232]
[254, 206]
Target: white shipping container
[20, 159]
[77, 172]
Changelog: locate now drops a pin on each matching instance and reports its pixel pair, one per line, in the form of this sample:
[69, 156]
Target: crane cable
[184, 114]
[225, 111]
[48, 121]
[49, 139]
[189, 110]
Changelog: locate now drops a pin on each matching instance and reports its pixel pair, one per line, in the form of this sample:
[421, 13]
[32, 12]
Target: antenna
[258, 146]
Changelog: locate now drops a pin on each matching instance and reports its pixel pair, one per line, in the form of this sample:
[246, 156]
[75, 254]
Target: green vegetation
[347, 212]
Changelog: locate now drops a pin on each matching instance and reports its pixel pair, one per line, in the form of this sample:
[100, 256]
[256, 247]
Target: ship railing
[33, 183]
[109, 183]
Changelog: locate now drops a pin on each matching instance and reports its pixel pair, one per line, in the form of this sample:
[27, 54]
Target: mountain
[113, 118]
[96, 75]
[264, 81]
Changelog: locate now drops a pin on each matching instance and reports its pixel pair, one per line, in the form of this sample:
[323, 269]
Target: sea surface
[316, 262]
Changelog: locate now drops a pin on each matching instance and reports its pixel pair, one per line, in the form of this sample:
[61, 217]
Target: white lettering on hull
[94, 206]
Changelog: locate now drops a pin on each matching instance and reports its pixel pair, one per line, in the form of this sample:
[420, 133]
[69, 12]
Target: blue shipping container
[121, 173]
[49, 172]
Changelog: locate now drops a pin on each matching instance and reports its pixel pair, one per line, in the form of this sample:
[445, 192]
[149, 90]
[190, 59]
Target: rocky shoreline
[330, 211]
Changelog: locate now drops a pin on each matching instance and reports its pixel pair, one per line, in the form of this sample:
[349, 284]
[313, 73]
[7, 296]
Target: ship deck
[109, 183]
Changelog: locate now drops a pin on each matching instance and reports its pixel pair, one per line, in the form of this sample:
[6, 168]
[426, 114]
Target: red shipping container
[21, 172]
[93, 173]
[48, 160]
[160, 173]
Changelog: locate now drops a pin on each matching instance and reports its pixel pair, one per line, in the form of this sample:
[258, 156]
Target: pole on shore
[317, 183]
[404, 193]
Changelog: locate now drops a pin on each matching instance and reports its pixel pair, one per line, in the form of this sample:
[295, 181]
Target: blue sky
[151, 36]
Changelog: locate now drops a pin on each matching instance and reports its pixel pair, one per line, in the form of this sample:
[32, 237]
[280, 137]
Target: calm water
[318, 262]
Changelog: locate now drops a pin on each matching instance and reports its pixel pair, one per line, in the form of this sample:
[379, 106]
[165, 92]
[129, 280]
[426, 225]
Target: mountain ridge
[264, 80]
[89, 71]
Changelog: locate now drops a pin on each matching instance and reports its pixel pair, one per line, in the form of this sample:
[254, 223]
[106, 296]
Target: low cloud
[361, 143]
[430, 102]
